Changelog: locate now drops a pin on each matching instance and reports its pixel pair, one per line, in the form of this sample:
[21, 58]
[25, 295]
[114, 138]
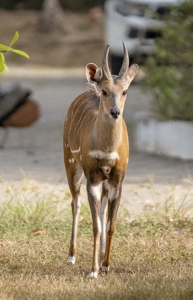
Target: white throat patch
[104, 155]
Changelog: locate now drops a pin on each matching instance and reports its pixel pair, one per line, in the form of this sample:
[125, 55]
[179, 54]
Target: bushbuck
[96, 145]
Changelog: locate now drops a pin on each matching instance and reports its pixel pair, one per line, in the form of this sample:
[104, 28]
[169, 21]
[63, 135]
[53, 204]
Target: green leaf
[14, 39]
[4, 48]
[20, 52]
[2, 63]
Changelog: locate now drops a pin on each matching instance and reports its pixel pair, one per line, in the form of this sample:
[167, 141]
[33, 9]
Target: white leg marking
[99, 224]
[108, 226]
[77, 205]
[96, 191]
[71, 260]
[103, 155]
[93, 275]
[112, 192]
[103, 223]
[69, 160]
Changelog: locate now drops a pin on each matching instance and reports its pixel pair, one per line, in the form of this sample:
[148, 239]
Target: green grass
[152, 255]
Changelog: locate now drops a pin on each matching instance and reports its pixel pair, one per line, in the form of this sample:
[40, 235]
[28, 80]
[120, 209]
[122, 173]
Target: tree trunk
[51, 17]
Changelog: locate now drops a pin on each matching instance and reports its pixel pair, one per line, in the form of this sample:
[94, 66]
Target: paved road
[38, 150]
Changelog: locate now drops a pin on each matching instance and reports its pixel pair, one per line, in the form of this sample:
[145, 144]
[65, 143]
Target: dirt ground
[81, 36]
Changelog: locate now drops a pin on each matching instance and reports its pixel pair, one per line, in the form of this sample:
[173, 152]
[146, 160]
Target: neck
[107, 132]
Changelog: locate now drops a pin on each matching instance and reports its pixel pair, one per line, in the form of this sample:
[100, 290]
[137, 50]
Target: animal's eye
[104, 93]
[124, 93]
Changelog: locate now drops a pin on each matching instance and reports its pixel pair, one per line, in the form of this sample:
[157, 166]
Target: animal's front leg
[113, 205]
[94, 197]
[103, 215]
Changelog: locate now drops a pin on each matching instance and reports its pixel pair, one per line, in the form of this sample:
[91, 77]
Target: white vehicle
[134, 22]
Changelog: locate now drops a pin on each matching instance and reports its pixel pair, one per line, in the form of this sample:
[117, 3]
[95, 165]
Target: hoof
[104, 269]
[93, 275]
[71, 260]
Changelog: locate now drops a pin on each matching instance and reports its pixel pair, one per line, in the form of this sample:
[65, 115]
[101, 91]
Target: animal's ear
[93, 73]
[132, 72]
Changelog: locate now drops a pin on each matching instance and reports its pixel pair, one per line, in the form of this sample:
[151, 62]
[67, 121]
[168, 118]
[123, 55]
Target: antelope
[96, 145]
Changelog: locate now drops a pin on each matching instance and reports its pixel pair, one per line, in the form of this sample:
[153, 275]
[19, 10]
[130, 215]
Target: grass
[152, 255]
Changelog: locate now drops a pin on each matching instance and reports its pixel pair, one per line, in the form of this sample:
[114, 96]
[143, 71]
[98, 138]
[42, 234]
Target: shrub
[170, 71]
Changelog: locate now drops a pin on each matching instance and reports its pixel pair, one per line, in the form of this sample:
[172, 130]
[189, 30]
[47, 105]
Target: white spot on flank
[71, 160]
[76, 151]
[104, 155]
[71, 260]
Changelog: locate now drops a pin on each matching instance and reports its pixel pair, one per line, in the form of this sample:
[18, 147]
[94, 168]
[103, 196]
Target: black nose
[115, 113]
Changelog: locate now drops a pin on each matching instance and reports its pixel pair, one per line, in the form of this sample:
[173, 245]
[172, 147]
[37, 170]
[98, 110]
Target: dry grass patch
[152, 256]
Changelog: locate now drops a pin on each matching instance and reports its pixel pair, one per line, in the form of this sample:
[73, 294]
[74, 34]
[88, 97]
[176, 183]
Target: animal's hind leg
[74, 175]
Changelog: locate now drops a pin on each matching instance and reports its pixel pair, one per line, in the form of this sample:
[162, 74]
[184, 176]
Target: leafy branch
[4, 49]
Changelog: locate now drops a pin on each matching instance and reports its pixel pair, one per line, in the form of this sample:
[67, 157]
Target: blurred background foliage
[37, 4]
[54, 35]
[170, 71]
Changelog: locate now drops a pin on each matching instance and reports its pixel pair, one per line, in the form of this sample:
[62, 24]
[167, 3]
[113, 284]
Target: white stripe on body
[75, 113]
[76, 151]
[82, 116]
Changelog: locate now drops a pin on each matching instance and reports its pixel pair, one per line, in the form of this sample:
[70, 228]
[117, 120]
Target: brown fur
[96, 144]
